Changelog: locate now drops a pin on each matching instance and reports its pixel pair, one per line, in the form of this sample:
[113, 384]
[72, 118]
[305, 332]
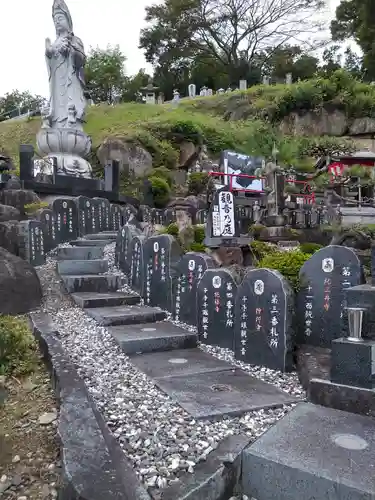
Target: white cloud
[26, 24]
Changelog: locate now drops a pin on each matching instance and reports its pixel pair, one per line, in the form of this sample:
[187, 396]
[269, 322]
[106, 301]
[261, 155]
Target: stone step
[90, 243]
[92, 282]
[94, 266]
[109, 299]
[313, 452]
[147, 337]
[126, 315]
[80, 253]
[107, 235]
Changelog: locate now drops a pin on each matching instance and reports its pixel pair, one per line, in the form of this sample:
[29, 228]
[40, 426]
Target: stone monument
[61, 139]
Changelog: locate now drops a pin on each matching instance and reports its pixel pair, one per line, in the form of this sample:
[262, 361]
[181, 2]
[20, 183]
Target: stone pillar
[112, 176]
[26, 156]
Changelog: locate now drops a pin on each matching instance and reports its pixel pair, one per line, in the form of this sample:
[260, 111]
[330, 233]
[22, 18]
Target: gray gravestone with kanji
[122, 249]
[115, 214]
[157, 216]
[161, 255]
[263, 333]
[189, 272]
[66, 217]
[87, 215]
[104, 214]
[31, 242]
[47, 218]
[201, 216]
[127, 212]
[136, 259]
[170, 216]
[321, 298]
[216, 296]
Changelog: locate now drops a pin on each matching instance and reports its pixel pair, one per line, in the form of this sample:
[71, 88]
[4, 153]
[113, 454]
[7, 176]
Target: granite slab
[125, 315]
[109, 299]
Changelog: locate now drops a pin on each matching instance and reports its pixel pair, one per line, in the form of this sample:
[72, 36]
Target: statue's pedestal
[66, 148]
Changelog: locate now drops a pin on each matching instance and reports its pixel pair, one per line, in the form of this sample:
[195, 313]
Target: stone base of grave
[109, 299]
[90, 243]
[92, 282]
[313, 362]
[80, 253]
[105, 235]
[342, 397]
[94, 266]
[313, 452]
[126, 315]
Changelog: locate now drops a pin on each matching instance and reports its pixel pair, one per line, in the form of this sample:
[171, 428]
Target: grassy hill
[245, 121]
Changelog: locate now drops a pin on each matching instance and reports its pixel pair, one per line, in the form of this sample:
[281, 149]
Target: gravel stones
[160, 439]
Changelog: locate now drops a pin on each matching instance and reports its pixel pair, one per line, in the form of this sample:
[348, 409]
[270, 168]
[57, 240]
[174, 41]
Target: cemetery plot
[115, 217]
[145, 213]
[32, 242]
[87, 215]
[169, 216]
[66, 216]
[201, 216]
[161, 254]
[47, 218]
[263, 320]
[123, 244]
[104, 214]
[137, 272]
[157, 216]
[216, 296]
[189, 272]
[321, 299]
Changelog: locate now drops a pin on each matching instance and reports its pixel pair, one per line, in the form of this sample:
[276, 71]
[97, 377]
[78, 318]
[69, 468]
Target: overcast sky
[25, 24]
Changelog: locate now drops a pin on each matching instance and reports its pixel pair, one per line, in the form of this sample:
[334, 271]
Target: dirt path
[29, 461]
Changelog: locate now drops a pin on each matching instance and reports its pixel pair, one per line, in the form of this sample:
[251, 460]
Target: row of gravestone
[260, 318]
[169, 215]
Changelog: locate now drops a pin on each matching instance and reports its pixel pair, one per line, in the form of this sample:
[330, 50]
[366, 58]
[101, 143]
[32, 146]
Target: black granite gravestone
[31, 242]
[264, 309]
[137, 268]
[157, 216]
[115, 217]
[321, 299]
[66, 217]
[87, 215]
[104, 214]
[216, 296]
[189, 272]
[161, 255]
[122, 250]
[127, 212]
[169, 216]
[47, 218]
[201, 216]
[145, 212]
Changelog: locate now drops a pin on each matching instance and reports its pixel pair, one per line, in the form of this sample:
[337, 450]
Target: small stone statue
[72, 115]
[45, 114]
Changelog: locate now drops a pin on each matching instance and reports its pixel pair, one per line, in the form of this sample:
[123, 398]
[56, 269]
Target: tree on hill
[289, 59]
[16, 103]
[232, 33]
[134, 84]
[105, 74]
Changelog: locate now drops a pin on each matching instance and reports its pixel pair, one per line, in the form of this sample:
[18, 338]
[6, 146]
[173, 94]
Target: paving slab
[181, 362]
[80, 253]
[146, 337]
[92, 282]
[93, 266]
[109, 299]
[228, 392]
[313, 453]
[126, 315]
[90, 243]
[107, 235]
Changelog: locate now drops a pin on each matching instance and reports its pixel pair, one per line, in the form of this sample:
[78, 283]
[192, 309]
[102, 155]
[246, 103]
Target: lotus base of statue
[66, 164]
[63, 140]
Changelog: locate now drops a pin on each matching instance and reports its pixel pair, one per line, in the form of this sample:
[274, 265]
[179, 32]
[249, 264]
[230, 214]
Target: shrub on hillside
[287, 263]
[162, 173]
[199, 233]
[17, 346]
[160, 191]
[172, 229]
[309, 247]
[197, 182]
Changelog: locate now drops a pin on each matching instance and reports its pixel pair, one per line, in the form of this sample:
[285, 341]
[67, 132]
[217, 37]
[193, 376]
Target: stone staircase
[202, 384]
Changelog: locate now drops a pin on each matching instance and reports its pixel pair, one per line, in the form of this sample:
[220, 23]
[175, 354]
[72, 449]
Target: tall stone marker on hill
[321, 299]
[61, 139]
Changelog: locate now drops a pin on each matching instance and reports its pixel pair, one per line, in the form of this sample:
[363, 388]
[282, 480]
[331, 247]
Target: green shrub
[197, 182]
[261, 249]
[31, 208]
[17, 346]
[256, 229]
[309, 247]
[197, 247]
[199, 233]
[287, 263]
[172, 229]
[160, 191]
[162, 173]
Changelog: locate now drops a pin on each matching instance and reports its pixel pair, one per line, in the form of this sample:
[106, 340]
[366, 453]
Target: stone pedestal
[362, 296]
[353, 363]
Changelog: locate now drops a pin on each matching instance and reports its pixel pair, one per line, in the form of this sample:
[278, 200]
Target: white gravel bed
[157, 435]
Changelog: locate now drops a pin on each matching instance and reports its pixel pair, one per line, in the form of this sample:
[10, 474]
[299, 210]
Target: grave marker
[115, 217]
[66, 217]
[87, 215]
[263, 332]
[145, 212]
[216, 295]
[157, 217]
[321, 299]
[170, 216]
[32, 242]
[201, 216]
[161, 255]
[189, 272]
[137, 271]
[122, 250]
[47, 218]
[127, 212]
[104, 214]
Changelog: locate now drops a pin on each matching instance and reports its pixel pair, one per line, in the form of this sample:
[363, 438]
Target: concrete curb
[94, 465]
